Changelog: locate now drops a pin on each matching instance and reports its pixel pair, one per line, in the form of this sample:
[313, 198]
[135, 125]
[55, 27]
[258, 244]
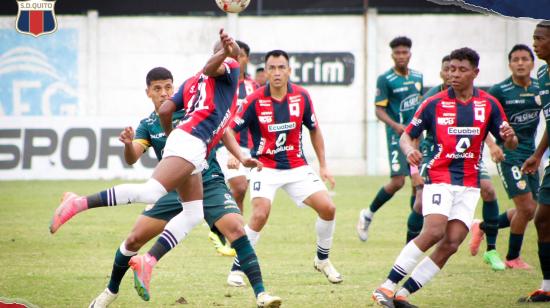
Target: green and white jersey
[400, 95]
[427, 146]
[522, 109]
[543, 75]
[150, 134]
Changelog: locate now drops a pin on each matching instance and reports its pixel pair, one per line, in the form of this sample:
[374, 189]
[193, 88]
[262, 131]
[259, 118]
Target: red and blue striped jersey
[209, 102]
[276, 126]
[459, 130]
[245, 88]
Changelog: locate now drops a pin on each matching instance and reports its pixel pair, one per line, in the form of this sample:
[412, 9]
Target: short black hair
[276, 53]
[446, 58]
[520, 47]
[243, 45]
[466, 53]
[260, 69]
[401, 41]
[544, 24]
[158, 73]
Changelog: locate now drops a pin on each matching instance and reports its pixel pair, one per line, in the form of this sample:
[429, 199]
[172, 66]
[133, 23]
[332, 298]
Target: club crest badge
[35, 17]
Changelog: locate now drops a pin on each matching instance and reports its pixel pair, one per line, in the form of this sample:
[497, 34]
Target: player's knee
[398, 182]
[260, 216]
[239, 188]
[134, 242]
[328, 212]
[234, 232]
[488, 192]
[529, 212]
[450, 247]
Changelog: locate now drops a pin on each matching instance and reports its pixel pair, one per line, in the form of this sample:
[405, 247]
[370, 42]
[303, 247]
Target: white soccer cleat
[104, 299]
[363, 226]
[325, 267]
[264, 300]
[236, 279]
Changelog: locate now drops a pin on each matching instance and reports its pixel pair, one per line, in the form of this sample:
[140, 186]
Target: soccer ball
[232, 6]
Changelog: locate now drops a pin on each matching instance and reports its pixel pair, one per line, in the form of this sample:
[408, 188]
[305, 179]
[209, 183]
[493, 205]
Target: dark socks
[490, 222]
[514, 246]
[249, 263]
[120, 266]
[503, 221]
[381, 197]
[544, 258]
[414, 225]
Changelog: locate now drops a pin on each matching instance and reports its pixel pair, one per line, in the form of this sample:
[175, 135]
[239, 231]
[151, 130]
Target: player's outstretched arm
[414, 157]
[318, 143]
[233, 147]
[383, 116]
[132, 151]
[166, 110]
[531, 165]
[226, 47]
[497, 155]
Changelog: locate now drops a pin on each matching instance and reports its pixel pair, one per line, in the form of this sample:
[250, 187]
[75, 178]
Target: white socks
[125, 251]
[408, 258]
[148, 192]
[252, 235]
[184, 222]
[325, 232]
[545, 286]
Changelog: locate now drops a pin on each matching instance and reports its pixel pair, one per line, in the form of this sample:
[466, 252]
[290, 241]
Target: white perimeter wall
[115, 53]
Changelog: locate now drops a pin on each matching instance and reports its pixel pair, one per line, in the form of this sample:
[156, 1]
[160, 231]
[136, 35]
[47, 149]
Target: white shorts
[182, 144]
[299, 183]
[222, 155]
[453, 201]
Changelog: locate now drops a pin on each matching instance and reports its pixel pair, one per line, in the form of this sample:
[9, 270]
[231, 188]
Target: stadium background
[64, 96]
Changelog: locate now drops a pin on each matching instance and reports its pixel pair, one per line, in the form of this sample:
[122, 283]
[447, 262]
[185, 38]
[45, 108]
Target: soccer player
[260, 76]
[541, 45]
[237, 178]
[274, 114]
[220, 211]
[517, 95]
[459, 119]
[397, 98]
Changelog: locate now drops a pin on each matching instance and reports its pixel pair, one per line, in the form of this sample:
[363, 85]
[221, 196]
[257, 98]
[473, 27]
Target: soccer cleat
[104, 299]
[265, 300]
[492, 258]
[325, 267]
[363, 226]
[383, 297]
[517, 263]
[222, 249]
[71, 204]
[477, 237]
[142, 275]
[402, 302]
[539, 296]
[236, 279]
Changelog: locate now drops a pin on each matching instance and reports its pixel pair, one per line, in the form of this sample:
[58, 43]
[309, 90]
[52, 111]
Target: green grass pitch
[72, 267]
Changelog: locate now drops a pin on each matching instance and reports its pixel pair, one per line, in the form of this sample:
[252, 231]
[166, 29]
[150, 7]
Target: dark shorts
[396, 158]
[514, 181]
[483, 172]
[217, 202]
[544, 190]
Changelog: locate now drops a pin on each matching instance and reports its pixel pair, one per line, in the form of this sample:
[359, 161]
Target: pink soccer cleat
[71, 204]
[143, 268]
[517, 263]
[477, 237]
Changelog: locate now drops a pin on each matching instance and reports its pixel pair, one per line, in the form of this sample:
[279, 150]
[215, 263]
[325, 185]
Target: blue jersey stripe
[282, 115]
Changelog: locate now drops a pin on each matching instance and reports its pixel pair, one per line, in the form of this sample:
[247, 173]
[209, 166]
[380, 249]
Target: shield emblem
[35, 17]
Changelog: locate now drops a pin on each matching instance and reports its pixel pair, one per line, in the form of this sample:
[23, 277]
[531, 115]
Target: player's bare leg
[322, 204]
[384, 194]
[231, 226]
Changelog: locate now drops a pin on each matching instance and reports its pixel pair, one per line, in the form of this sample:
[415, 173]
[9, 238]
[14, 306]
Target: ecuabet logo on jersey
[36, 17]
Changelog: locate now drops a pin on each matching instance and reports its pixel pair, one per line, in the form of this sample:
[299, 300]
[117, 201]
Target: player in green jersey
[541, 45]
[397, 97]
[220, 210]
[517, 95]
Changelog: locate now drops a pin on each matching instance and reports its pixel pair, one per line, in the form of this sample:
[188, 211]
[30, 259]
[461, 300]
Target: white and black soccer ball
[232, 6]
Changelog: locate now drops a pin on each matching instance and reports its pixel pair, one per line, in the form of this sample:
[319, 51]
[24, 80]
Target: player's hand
[497, 155]
[414, 157]
[233, 163]
[227, 42]
[506, 131]
[327, 176]
[127, 135]
[531, 165]
[399, 129]
[252, 163]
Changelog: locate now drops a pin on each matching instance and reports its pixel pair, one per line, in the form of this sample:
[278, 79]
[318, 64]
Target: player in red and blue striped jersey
[459, 120]
[274, 114]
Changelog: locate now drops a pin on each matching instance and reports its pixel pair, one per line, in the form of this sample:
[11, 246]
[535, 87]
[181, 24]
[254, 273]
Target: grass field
[72, 267]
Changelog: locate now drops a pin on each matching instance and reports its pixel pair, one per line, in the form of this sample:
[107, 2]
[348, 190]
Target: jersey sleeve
[177, 98]
[232, 71]
[245, 117]
[142, 136]
[309, 119]
[381, 91]
[420, 121]
[496, 119]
